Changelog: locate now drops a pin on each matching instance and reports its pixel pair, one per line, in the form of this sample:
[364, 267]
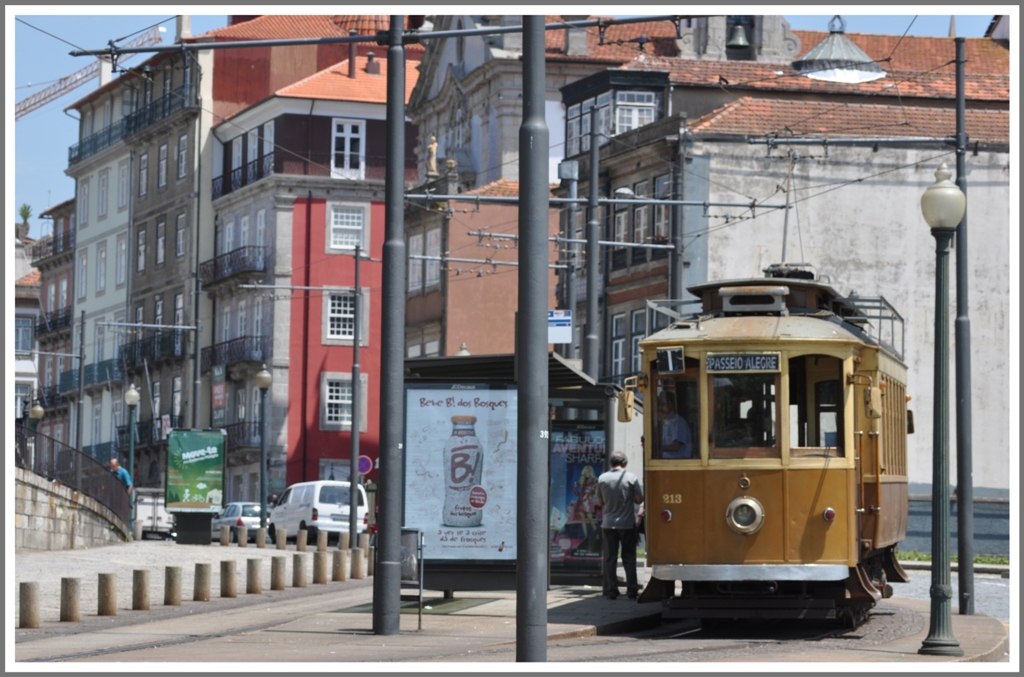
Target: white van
[151, 517]
[316, 506]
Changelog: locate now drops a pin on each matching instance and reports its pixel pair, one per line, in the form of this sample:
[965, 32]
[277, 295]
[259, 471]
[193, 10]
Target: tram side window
[815, 406]
[676, 431]
[744, 419]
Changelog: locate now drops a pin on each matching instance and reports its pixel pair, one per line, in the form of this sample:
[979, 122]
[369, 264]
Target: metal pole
[675, 274]
[940, 640]
[570, 277]
[590, 341]
[357, 394]
[81, 383]
[532, 344]
[264, 481]
[962, 328]
[131, 465]
[387, 579]
[785, 217]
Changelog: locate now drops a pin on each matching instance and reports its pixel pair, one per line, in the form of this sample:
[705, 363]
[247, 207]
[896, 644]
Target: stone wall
[49, 516]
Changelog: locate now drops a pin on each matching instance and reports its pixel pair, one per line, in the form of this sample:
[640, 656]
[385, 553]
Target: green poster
[195, 470]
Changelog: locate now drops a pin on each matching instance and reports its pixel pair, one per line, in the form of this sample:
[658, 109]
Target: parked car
[317, 506]
[237, 515]
[151, 516]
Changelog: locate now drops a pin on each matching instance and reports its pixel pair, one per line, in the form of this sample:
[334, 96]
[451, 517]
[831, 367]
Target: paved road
[991, 592]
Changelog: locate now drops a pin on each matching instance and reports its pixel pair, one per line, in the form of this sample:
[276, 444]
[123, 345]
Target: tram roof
[818, 326]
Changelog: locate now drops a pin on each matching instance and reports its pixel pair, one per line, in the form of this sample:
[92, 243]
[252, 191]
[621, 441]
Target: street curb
[616, 627]
[993, 655]
[998, 569]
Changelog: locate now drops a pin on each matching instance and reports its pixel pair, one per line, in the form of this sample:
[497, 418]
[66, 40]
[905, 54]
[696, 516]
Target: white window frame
[618, 352]
[345, 169]
[101, 266]
[228, 232]
[161, 166]
[416, 265]
[340, 236]
[179, 236]
[161, 241]
[432, 269]
[182, 156]
[83, 203]
[225, 324]
[621, 226]
[257, 317]
[158, 309]
[23, 333]
[83, 274]
[241, 315]
[243, 231]
[155, 402]
[121, 259]
[268, 138]
[99, 341]
[327, 337]
[140, 250]
[261, 228]
[236, 153]
[176, 396]
[638, 321]
[101, 193]
[662, 212]
[122, 185]
[179, 309]
[253, 148]
[143, 174]
[326, 378]
[634, 109]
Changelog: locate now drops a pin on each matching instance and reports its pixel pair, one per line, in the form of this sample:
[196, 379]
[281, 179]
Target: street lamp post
[35, 414]
[943, 205]
[263, 380]
[131, 398]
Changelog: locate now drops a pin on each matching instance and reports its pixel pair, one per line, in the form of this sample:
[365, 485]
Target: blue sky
[42, 137]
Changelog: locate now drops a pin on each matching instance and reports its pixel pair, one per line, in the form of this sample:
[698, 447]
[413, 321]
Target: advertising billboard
[460, 470]
[195, 471]
[577, 460]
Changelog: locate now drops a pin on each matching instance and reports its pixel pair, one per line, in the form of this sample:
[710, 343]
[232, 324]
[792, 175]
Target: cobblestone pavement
[991, 592]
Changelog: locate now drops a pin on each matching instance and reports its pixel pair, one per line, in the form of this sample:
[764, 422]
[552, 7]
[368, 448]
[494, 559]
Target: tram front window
[676, 421]
[744, 421]
[815, 406]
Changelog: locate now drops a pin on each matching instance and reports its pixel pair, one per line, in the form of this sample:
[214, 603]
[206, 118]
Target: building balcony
[51, 245]
[50, 397]
[243, 434]
[146, 116]
[101, 373]
[164, 345]
[260, 168]
[55, 320]
[68, 381]
[249, 259]
[148, 431]
[242, 349]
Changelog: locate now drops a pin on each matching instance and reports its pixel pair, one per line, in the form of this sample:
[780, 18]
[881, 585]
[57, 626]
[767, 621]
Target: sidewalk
[333, 623]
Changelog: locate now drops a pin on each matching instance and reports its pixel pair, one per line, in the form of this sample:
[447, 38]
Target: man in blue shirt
[122, 474]
[676, 441]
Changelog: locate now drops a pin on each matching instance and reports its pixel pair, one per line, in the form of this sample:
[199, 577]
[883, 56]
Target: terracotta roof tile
[499, 188]
[30, 279]
[779, 77]
[661, 34]
[750, 116]
[297, 26]
[334, 83]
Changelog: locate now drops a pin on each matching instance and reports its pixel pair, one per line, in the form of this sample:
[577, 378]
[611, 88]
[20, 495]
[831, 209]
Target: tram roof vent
[794, 271]
[754, 299]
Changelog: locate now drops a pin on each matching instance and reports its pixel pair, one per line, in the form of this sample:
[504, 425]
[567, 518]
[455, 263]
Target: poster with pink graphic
[460, 470]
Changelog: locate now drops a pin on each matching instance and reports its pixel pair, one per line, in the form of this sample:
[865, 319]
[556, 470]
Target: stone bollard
[253, 576]
[321, 541]
[28, 601]
[298, 570]
[228, 587]
[300, 540]
[319, 568]
[243, 536]
[340, 572]
[261, 538]
[343, 540]
[140, 590]
[371, 561]
[364, 544]
[70, 599]
[281, 538]
[201, 588]
[137, 530]
[172, 586]
[357, 563]
[225, 536]
[107, 595]
[277, 565]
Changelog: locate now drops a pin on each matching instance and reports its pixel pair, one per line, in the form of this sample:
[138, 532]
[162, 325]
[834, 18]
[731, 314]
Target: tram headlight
[744, 515]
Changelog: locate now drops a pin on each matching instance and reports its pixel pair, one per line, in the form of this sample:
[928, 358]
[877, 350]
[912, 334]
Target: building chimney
[372, 67]
[352, 56]
[575, 38]
[182, 28]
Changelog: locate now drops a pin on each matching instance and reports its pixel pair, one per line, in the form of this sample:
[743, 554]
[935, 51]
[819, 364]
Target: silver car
[237, 515]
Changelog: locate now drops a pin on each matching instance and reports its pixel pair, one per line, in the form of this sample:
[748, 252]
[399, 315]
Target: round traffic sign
[365, 465]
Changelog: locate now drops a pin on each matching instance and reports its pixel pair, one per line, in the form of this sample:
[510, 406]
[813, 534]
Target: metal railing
[58, 462]
[54, 320]
[888, 329]
[102, 372]
[147, 431]
[243, 434]
[251, 172]
[50, 396]
[250, 259]
[52, 244]
[242, 349]
[131, 124]
[165, 344]
[68, 381]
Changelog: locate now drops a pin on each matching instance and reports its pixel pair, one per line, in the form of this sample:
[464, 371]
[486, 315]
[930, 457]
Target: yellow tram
[775, 452]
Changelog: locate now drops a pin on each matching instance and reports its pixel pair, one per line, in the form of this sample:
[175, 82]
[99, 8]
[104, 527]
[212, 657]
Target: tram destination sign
[718, 362]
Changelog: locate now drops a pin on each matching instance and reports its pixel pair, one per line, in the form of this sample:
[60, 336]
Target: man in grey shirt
[618, 491]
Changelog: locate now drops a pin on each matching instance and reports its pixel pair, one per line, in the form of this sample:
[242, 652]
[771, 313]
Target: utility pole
[532, 349]
[357, 395]
[570, 170]
[675, 266]
[81, 395]
[590, 341]
[387, 581]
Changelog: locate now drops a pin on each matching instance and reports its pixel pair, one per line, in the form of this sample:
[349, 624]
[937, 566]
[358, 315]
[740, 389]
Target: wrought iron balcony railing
[68, 381]
[52, 245]
[166, 344]
[249, 259]
[253, 171]
[243, 434]
[50, 397]
[99, 373]
[147, 431]
[242, 349]
[54, 320]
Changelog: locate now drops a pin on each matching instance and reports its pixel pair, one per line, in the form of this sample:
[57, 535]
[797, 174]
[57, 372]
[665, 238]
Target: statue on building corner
[432, 158]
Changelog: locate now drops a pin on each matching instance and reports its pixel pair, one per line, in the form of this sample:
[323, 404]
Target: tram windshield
[676, 421]
[744, 420]
[815, 406]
